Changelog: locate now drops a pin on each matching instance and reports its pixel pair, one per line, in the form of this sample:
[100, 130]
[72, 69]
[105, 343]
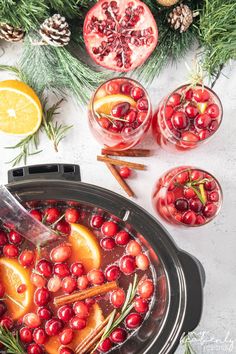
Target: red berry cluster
[10, 243]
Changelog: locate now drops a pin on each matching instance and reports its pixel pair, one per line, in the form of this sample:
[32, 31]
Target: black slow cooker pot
[179, 276]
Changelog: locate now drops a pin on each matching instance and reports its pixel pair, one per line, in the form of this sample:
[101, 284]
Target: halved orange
[85, 247]
[105, 104]
[12, 274]
[94, 320]
[20, 108]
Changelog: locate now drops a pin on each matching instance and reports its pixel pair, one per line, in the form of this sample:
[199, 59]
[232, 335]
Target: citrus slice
[85, 247]
[20, 108]
[202, 106]
[105, 104]
[94, 320]
[12, 275]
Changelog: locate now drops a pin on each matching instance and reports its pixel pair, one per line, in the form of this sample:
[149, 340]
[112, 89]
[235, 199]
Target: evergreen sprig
[10, 341]
[68, 8]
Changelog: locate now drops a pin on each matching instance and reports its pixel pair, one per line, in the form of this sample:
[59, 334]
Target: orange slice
[105, 104]
[12, 274]
[20, 108]
[85, 247]
[94, 320]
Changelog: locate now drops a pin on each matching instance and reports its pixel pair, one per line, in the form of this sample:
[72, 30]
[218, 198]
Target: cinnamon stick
[120, 180]
[85, 294]
[135, 166]
[130, 152]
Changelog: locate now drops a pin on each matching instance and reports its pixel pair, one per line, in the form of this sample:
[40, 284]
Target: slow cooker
[179, 276]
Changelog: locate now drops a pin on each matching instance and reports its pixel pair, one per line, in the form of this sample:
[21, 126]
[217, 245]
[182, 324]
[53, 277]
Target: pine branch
[10, 341]
[67, 8]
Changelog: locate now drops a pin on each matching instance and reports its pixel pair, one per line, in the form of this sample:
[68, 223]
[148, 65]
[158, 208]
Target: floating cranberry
[34, 349]
[181, 204]
[31, 320]
[127, 264]
[44, 267]
[119, 335]
[213, 196]
[7, 322]
[214, 125]
[41, 296]
[137, 93]
[174, 99]
[3, 238]
[65, 313]
[81, 309]
[105, 346]
[36, 214]
[209, 210]
[37, 280]
[10, 251]
[202, 121]
[189, 137]
[122, 238]
[189, 218]
[191, 111]
[39, 336]
[2, 290]
[112, 272]
[25, 335]
[66, 336]
[68, 284]
[195, 205]
[63, 227]
[118, 298]
[141, 305]
[44, 313]
[210, 185]
[133, 320]
[66, 350]
[109, 228]
[77, 323]
[89, 302]
[120, 109]
[213, 110]
[142, 104]
[15, 237]
[142, 261]
[204, 134]
[169, 111]
[97, 221]
[200, 220]
[53, 326]
[61, 269]
[26, 258]
[113, 87]
[21, 288]
[141, 117]
[131, 116]
[182, 177]
[201, 95]
[51, 215]
[189, 95]
[61, 253]
[108, 243]
[145, 288]
[125, 172]
[54, 284]
[180, 120]
[96, 277]
[3, 308]
[72, 215]
[196, 175]
[82, 282]
[133, 248]
[104, 122]
[77, 269]
[126, 88]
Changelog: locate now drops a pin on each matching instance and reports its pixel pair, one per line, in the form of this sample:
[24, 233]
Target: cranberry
[214, 125]
[52, 215]
[213, 110]
[77, 323]
[65, 313]
[105, 346]
[189, 137]
[210, 185]
[66, 336]
[118, 298]
[37, 280]
[7, 322]
[141, 305]
[137, 93]
[10, 251]
[104, 122]
[169, 112]
[195, 205]
[36, 214]
[127, 264]
[108, 243]
[3, 308]
[66, 350]
[191, 111]
[109, 228]
[213, 196]
[41, 296]
[201, 95]
[72, 215]
[39, 336]
[21, 288]
[63, 227]
[68, 284]
[44, 313]
[61, 253]
[96, 277]
[182, 177]
[77, 269]
[61, 269]
[53, 326]
[82, 282]
[202, 121]
[2, 290]
[54, 284]
[31, 320]
[26, 258]
[89, 302]
[81, 309]
[133, 320]
[196, 175]
[133, 248]
[97, 221]
[120, 109]
[15, 237]
[126, 88]
[189, 95]
[181, 204]
[145, 288]
[204, 134]
[189, 217]
[209, 210]
[34, 349]
[112, 272]
[125, 172]
[113, 87]
[142, 261]
[44, 267]
[25, 335]
[142, 104]
[119, 335]
[122, 238]
[3, 238]
[180, 120]
[189, 193]
[131, 116]
[141, 118]
[200, 220]
[174, 99]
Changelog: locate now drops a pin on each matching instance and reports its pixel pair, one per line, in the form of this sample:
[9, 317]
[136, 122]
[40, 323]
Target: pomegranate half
[120, 35]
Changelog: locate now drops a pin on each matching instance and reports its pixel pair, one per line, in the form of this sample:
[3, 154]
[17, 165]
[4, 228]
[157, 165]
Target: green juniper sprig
[10, 341]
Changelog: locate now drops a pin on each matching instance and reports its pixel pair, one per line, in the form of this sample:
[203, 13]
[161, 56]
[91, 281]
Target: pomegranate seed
[44, 267]
[201, 95]
[118, 336]
[10, 251]
[209, 210]
[77, 323]
[21, 288]
[44, 313]
[125, 172]
[127, 264]
[109, 228]
[34, 349]
[105, 346]
[53, 326]
[195, 205]
[36, 214]
[145, 288]
[189, 217]
[118, 298]
[25, 335]
[37, 280]
[141, 305]
[97, 221]
[120, 109]
[41, 296]
[31, 320]
[180, 120]
[77, 269]
[65, 313]
[213, 110]
[133, 320]
[96, 277]
[142, 261]
[112, 272]
[54, 284]
[61, 269]
[137, 93]
[181, 204]
[63, 227]
[61, 253]
[39, 336]
[82, 282]
[113, 87]
[3, 238]
[133, 248]
[3, 308]
[72, 215]
[26, 258]
[81, 309]
[107, 243]
[68, 284]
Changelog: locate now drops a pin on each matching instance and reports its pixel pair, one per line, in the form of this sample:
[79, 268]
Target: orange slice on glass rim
[105, 104]
[12, 275]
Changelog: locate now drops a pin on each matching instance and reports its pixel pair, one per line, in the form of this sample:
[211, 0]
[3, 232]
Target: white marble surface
[214, 244]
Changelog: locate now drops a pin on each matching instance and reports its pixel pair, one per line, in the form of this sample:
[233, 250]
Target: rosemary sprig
[188, 349]
[11, 341]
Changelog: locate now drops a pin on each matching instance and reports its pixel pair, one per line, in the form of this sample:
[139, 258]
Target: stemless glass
[187, 118]
[120, 113]
[187, 196]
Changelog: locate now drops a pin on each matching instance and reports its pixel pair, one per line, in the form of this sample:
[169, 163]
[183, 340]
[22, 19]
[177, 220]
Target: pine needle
[67, 8]
[10, 341]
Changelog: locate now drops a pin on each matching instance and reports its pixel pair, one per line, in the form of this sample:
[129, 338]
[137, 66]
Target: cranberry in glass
[65, 313]
[61, 270]
[120, 109]
[34, 349]
[66, 350]
[189, 193]
[81, 309]
[77, 323]
[44, 313]
[112, 273]
[96, 277]
[122, 238]
[26, 258]
[113, 87]
[118, 298]
[36, 214]
[213, 110]
[213, 196]
[53, 326]
[41, 296]
[174, 99]
[109, 228]
[133, 248]
[31, 320]
[44, 267]
[142, 261]
[3, 238]
[82, 282]
[10, 251]
[68, 284]
[25, 334]
[107, 243]
[72, 215]
[180, 120]
[127, 264]
[97, 221]
[15, 237]
[39, 336]
[141, 305]
[77, 269]
[201, 95]
[66, 336]
[105, 346]
[7, 322]
[118, 336]
[203, 121]
[133, 320]
[137, 93]
[191, 111]
[63, 227]
[181, 204]
[189, 217]
[145, 288]
[2, 290]
[51, 215]
[61, 253]
[209, 210]
[210, 185]
[195, 205]
[200, 220]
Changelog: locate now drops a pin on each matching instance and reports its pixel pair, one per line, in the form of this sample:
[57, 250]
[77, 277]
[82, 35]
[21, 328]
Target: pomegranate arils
[120, 109]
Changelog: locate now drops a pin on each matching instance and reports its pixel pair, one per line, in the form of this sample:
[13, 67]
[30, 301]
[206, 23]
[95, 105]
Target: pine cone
[181, 17]
[10, 33]
[55, 31]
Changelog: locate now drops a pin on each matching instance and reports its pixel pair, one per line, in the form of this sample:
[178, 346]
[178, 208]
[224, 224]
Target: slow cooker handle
[59, 171]
[195, 280]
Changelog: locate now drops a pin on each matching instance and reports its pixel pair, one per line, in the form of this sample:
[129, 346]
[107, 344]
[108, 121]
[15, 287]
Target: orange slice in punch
[104, 105]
